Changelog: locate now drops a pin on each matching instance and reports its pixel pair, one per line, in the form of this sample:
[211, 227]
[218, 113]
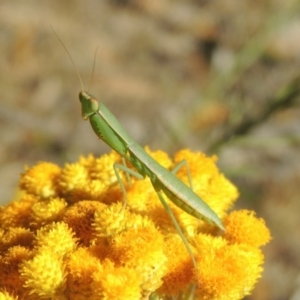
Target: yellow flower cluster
[67, 236]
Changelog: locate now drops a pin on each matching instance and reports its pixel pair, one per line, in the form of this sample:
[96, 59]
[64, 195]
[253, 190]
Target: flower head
[69, 235]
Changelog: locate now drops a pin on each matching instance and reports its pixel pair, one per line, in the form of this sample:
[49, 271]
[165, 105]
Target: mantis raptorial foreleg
[127, 171]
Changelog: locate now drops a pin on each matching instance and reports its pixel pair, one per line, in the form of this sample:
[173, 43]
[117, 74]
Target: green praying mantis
[164, 182]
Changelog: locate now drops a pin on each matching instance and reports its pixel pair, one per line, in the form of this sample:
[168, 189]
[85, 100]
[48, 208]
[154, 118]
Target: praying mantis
[164, 182]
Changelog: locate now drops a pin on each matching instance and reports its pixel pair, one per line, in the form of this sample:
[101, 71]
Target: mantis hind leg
[188, 172]
[170, 213]
[128, 172]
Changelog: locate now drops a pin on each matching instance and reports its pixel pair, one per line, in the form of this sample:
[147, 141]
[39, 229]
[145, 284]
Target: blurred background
[216, 76]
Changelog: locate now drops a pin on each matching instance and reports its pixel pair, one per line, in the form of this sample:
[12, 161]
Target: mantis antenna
[94, 64]
[77, 72]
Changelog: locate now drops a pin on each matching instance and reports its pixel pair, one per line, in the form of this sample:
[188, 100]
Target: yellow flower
[44, 274]
[81, 264]
[226, 272]
[15, 236]
[71, 236]
[41, 180]
[243, 227]
[43, 212]
[79, 218]
[10, 279]
[56, 238]
[110, 282]
[17, 213]
[110, 220]
[140, 248]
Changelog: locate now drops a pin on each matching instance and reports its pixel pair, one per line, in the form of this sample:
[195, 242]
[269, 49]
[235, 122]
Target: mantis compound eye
[94, 104]
[89, 104]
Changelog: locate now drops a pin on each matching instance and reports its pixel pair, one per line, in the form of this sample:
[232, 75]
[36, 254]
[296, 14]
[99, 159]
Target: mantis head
[89, 104]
